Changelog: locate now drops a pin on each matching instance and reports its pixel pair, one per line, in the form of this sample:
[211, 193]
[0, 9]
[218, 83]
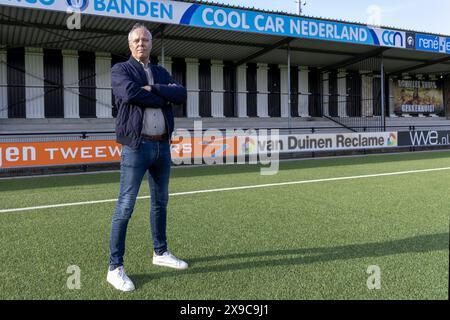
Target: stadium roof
[32, 27]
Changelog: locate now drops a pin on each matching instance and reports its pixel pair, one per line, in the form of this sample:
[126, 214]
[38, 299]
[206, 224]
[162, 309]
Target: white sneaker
[167, 259]
[119, 279]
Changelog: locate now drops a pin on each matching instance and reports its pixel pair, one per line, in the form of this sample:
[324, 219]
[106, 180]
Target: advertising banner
[432, 43]
[318, 142]
[57, 153]
[208, 16]
[415, 96]
[428, 138]
[41, 154]
[186, 149]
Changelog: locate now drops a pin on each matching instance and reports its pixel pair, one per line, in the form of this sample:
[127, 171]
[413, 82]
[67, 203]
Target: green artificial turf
[303, 241]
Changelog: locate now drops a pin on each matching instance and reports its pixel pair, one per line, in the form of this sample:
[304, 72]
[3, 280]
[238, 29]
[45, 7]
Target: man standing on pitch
[144, 95]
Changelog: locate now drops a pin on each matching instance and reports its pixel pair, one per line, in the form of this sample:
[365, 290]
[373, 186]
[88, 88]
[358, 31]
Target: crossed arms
[155, 96]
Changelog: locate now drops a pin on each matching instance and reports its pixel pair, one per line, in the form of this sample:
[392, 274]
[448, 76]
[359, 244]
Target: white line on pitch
[233, 188]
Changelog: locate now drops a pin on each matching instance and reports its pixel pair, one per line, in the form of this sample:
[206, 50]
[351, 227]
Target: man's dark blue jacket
[128, 78]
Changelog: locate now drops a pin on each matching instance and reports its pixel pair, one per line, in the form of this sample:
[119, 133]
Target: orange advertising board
[206, 147]
[31, 154]
[53, 153]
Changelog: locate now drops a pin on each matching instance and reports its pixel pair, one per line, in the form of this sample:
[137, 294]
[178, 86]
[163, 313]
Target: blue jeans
[153, 156]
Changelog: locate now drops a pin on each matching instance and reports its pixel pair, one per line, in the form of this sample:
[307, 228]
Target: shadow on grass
[107, 178]
[417, 244]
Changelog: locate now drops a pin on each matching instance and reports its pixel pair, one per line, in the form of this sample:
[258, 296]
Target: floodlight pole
[383, 116]
[289, 85]
[300, 10]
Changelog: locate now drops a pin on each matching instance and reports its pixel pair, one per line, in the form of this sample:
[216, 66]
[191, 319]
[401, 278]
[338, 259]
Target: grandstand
[302, 75]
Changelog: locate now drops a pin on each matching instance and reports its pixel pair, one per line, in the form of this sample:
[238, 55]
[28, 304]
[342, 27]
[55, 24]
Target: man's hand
[149, 88]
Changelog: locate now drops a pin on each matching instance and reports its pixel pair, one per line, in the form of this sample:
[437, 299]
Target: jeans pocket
[126, 153]
[132, 157]
[123, 155]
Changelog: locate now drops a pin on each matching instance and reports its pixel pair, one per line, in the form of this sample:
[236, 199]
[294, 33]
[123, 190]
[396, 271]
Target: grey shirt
[153, 122]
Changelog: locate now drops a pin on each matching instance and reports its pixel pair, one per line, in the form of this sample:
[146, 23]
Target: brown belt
[160, 137]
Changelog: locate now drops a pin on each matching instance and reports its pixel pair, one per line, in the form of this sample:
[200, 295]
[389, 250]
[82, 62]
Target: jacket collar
[137, 63]
[139, 68]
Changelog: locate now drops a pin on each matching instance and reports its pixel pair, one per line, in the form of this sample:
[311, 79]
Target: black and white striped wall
[38, 83]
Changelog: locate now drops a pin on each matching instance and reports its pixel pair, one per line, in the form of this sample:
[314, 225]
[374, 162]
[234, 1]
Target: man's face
[140, 44]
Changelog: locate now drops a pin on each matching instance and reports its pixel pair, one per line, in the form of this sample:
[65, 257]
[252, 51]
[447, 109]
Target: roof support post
[289, 85]
[383, 106]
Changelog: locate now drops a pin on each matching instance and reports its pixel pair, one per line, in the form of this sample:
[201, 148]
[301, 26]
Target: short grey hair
[138, 26]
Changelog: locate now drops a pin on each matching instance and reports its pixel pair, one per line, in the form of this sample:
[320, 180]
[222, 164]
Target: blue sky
[419, 15]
